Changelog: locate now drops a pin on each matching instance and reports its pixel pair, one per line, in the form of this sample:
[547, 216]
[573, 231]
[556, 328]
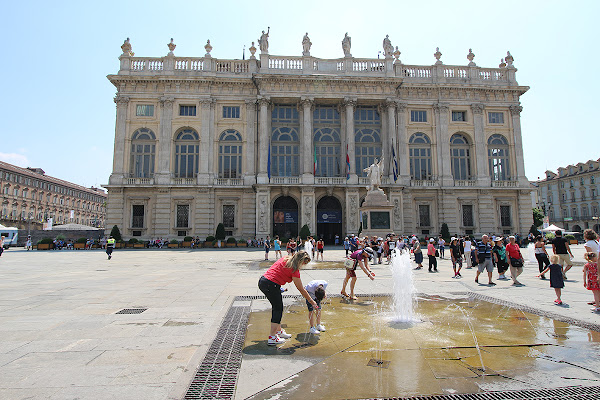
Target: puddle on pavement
[460, 346]
[310, 265]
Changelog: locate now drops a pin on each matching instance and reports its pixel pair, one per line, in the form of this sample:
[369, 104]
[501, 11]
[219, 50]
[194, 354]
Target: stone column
[388, 139]
[206, 144]
[263, 139]
[519, 169]
[307, 208]
[402, 147]
[308, 177]
[349, 106]
[263, 211]
[118, 173]
[352, 215]
[163, 174]
[249, 153]
[479, 155]
[443, 144]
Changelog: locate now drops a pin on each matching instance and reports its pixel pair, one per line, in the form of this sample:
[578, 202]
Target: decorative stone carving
[206, 103]
[166, 101]
[252, 51]
[262, 214]
[477, 108]
[397, 55]
[470, 57]
[264, 101]
[374, 173]
[285, 191]
[349, 102]
[388, 49]
[171, 47]
[515, 110]
[263, 41]
[126, 47]
[401, 107]
[307, 209]
[502, 63]
[346, 45]
[441, 107]
[307, 102]
[121, 100]
[389, 103]
[397, 213]
[437, 56]
[353, 212]
[208, 48]
[250, 105]
[306, 43]
[509, 59]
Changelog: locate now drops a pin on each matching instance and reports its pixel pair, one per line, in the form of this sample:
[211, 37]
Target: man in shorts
[560, 247]
[483, 252]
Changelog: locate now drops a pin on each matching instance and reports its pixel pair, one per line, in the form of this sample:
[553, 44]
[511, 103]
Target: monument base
[376, 214]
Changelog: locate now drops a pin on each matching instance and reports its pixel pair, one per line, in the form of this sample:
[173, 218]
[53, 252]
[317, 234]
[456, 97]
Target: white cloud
[15, 159]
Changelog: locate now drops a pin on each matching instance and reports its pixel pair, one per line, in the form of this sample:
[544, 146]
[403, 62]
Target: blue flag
[269, 162]
[395, 166]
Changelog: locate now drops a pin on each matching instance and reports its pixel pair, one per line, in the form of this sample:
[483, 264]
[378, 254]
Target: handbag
[437, 254]
[516, 262]
[349, 263]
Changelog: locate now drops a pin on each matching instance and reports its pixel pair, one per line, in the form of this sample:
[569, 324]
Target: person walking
[456, 256]
[418, 254]
[29, 244]
[267, 244]
[431, 254]
[483, 252]
[110, 245]
[441, 246]
[560, 247]
[591, 279]
[284, 270]
[541, 255]
[467, 252]
[515, 260]
[346, 245]
[556, 278]
[277, 247]
[320, 248]
[500, 258]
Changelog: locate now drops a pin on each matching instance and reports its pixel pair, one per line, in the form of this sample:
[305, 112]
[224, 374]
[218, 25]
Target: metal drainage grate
[569, 393]
[374, 362]
[217, 374]
[132, 311]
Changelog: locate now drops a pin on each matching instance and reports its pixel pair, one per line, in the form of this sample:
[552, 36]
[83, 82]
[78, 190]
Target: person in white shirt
[467, 253]
[316, 290]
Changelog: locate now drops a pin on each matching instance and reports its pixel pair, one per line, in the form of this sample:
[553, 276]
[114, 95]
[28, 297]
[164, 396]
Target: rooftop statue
[306, 43]
[388, 49]
[346, 44]
[263, 42]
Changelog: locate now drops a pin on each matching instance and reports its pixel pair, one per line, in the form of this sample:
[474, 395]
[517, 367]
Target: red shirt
[279, 273]
[513, 251]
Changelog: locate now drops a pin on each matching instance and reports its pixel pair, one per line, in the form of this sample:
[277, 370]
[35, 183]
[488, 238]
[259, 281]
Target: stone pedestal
[376, 214]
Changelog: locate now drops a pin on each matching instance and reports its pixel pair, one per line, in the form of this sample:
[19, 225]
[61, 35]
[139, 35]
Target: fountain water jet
[404, 290]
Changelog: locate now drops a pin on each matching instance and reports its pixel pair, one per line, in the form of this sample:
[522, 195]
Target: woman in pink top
[431, 255]
[285, 270]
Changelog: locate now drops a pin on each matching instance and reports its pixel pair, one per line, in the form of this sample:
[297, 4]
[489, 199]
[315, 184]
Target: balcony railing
[330, 180]
[505, 184]
[285, 180]
[184, 181]
[424, 182]
[229, 182]
[467, 182]
[139, 181]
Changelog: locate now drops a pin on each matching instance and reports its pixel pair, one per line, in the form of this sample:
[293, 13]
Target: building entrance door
[329, 219]
[285, 217]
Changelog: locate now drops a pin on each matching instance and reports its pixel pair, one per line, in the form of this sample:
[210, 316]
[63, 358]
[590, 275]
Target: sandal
[344, 294]
[353, 298]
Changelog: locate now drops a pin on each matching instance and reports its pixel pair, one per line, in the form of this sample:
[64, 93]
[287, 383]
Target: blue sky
[57, 109]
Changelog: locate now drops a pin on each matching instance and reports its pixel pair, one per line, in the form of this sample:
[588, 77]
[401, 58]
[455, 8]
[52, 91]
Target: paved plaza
[61, 336]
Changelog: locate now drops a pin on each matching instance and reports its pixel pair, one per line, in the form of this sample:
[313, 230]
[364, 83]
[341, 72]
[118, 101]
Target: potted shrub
[131, 243]
[116, 234]
[173, 244]
[45, 244]
[80, 243]
[187, 241]
[242, 243]
[209, 241]
[571, 239]
[139, 244]
[220, 235]
[231, 242]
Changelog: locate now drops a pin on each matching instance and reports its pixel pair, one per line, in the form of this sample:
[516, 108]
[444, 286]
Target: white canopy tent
[552, 228]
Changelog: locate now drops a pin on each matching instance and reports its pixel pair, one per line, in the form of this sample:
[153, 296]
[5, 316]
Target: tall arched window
[327, 146]
[326, 129]
[285, 145]
[419, 154]
[498, 158]
[230, 154]
[143, 150]
[368, 147]
[186, 153]
[460, 156]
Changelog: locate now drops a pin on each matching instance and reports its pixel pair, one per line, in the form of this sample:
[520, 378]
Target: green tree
[116, 233]
[445, 232]
[304, 232]
[534, 230]
[538, 217]
[220, 234]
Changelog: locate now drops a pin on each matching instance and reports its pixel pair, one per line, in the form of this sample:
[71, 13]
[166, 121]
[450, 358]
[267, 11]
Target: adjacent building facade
[29, 195]
[269, 144]
[570, 198]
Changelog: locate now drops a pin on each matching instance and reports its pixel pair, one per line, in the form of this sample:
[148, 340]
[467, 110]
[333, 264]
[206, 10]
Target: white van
[10, 235]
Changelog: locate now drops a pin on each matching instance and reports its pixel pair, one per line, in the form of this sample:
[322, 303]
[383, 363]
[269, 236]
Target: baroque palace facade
[268, 144]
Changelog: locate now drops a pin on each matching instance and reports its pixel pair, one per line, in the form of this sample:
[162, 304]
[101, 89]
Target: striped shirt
[484, 249]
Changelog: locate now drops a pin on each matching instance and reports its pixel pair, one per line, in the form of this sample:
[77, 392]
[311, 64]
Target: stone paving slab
[60, 337]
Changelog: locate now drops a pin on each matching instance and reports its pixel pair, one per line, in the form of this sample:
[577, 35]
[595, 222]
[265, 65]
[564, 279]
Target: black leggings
[543, 261]
[273, 293]
[432, 262]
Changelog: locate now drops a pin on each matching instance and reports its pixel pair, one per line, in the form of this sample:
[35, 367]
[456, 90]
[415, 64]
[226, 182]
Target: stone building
[268, 144]
[29, 196]
[570, 197]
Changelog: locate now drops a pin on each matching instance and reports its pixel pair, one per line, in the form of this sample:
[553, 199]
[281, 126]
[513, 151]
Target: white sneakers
[321, 328]
[314, 331]
[283, 334]
[275, 340]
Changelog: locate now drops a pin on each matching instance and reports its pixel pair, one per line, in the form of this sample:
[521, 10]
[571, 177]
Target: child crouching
[316, 290]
